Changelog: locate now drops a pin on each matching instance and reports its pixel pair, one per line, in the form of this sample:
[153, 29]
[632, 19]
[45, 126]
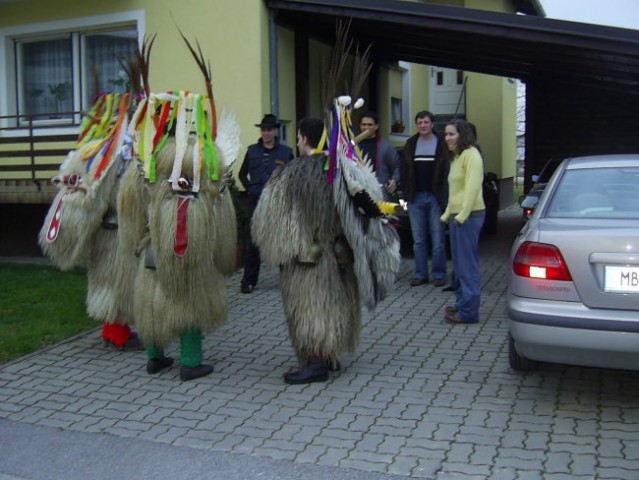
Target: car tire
[518, 362]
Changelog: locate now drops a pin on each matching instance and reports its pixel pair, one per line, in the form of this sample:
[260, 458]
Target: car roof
[616, 160]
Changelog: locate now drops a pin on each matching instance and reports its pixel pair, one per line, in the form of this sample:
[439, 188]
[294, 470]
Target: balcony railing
[32, 147]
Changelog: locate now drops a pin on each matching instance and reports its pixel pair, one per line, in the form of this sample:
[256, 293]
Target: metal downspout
[274, 81]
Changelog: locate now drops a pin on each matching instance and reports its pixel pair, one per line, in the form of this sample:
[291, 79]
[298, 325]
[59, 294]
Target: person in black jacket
[423, 172]
[382, 154]
[261, 159]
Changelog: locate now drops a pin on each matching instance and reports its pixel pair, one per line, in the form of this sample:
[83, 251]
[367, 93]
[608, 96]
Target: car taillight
[528, 212]
[540, 260]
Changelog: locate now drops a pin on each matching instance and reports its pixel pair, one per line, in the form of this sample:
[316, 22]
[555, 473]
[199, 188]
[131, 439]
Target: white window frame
[8, 73]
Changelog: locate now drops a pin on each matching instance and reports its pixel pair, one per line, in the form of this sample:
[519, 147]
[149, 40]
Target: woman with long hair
[465, 214]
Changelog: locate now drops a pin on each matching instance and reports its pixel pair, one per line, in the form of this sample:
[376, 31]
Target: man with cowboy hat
[261, 159]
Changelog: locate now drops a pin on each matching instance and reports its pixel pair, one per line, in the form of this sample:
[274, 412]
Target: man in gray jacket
[381, 153]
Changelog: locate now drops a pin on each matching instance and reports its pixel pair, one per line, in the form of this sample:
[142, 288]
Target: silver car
[574, 284]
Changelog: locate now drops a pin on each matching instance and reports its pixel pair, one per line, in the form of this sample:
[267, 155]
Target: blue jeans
[464, 244]
[424, 212]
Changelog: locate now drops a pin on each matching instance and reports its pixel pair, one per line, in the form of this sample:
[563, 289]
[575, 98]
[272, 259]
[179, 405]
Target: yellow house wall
[286, 77]
[509, 128]
[383, 102]
[234, 40]
[484, 108]
[491, 106]
[418, 100]
[420, 82]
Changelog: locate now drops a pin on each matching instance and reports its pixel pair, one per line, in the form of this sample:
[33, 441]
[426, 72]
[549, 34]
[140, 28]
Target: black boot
[154, 365]
[133, 343]
[316, 370]
[333, 365]
[189, 373]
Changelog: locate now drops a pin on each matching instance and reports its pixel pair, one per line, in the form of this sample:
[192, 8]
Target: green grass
[39, 306]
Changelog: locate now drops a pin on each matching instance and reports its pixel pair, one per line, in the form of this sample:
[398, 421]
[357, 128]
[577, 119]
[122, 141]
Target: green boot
[191, 355]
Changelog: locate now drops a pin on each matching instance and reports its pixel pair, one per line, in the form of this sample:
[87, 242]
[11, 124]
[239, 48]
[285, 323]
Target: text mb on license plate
[621, 279]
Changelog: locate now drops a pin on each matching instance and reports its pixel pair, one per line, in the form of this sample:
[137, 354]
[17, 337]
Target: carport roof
[528, 47]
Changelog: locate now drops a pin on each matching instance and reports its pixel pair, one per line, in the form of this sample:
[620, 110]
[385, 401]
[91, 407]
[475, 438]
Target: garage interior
[582, 80]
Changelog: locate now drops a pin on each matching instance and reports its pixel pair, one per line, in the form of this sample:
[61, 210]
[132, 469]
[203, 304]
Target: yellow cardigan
[465, 186]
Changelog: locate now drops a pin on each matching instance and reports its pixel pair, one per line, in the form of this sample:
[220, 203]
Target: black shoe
[449, 288]
[315, 371]
[133, 343]
[189, 373]
[333, 365]
[416, 282]
[154, 365]
[439, 282]
[246, 288]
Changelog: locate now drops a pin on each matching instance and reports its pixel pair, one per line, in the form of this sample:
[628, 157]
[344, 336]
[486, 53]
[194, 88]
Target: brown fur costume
[295, 215]
[189, 291]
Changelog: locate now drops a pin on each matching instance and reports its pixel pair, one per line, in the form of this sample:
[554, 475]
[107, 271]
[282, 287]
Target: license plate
[621, 279]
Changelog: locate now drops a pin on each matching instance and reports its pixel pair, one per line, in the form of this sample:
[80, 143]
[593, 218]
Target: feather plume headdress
[356, 192]
[183, 113]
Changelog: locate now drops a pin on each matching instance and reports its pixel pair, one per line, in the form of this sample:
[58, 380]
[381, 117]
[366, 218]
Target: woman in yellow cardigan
[465, 214]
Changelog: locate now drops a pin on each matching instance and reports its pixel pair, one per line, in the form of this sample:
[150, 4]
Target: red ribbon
[181, 237]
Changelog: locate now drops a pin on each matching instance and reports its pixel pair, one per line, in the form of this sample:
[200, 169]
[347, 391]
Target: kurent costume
[317, 219]
[257, 167]
[81, 225]
[189, 248]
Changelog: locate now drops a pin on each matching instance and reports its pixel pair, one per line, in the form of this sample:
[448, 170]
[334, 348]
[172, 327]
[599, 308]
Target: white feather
[228, 137]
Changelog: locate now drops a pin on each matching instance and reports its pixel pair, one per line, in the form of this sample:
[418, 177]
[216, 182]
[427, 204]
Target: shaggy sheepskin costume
[317, 219]
[80, 228]
[295, 222]
[189, 249]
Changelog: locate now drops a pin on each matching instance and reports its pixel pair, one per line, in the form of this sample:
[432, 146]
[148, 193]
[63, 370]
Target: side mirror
[535, 178]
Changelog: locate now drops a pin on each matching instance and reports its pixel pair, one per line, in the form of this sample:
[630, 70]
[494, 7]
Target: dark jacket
[385, 157]
[255, 172]
[407, 170]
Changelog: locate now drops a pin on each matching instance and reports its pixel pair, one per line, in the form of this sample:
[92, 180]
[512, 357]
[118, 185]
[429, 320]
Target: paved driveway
[419, 398]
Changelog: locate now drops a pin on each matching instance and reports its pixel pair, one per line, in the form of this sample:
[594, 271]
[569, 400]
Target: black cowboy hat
[269, 121]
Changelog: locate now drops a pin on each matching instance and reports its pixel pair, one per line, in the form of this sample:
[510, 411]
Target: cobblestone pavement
[419, 398]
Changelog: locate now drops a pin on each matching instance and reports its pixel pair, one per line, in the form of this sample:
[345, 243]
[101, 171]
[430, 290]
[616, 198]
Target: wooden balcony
[31, 151]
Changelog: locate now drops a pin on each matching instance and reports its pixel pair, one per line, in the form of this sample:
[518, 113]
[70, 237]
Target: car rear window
[608, 192]
[548, 170]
